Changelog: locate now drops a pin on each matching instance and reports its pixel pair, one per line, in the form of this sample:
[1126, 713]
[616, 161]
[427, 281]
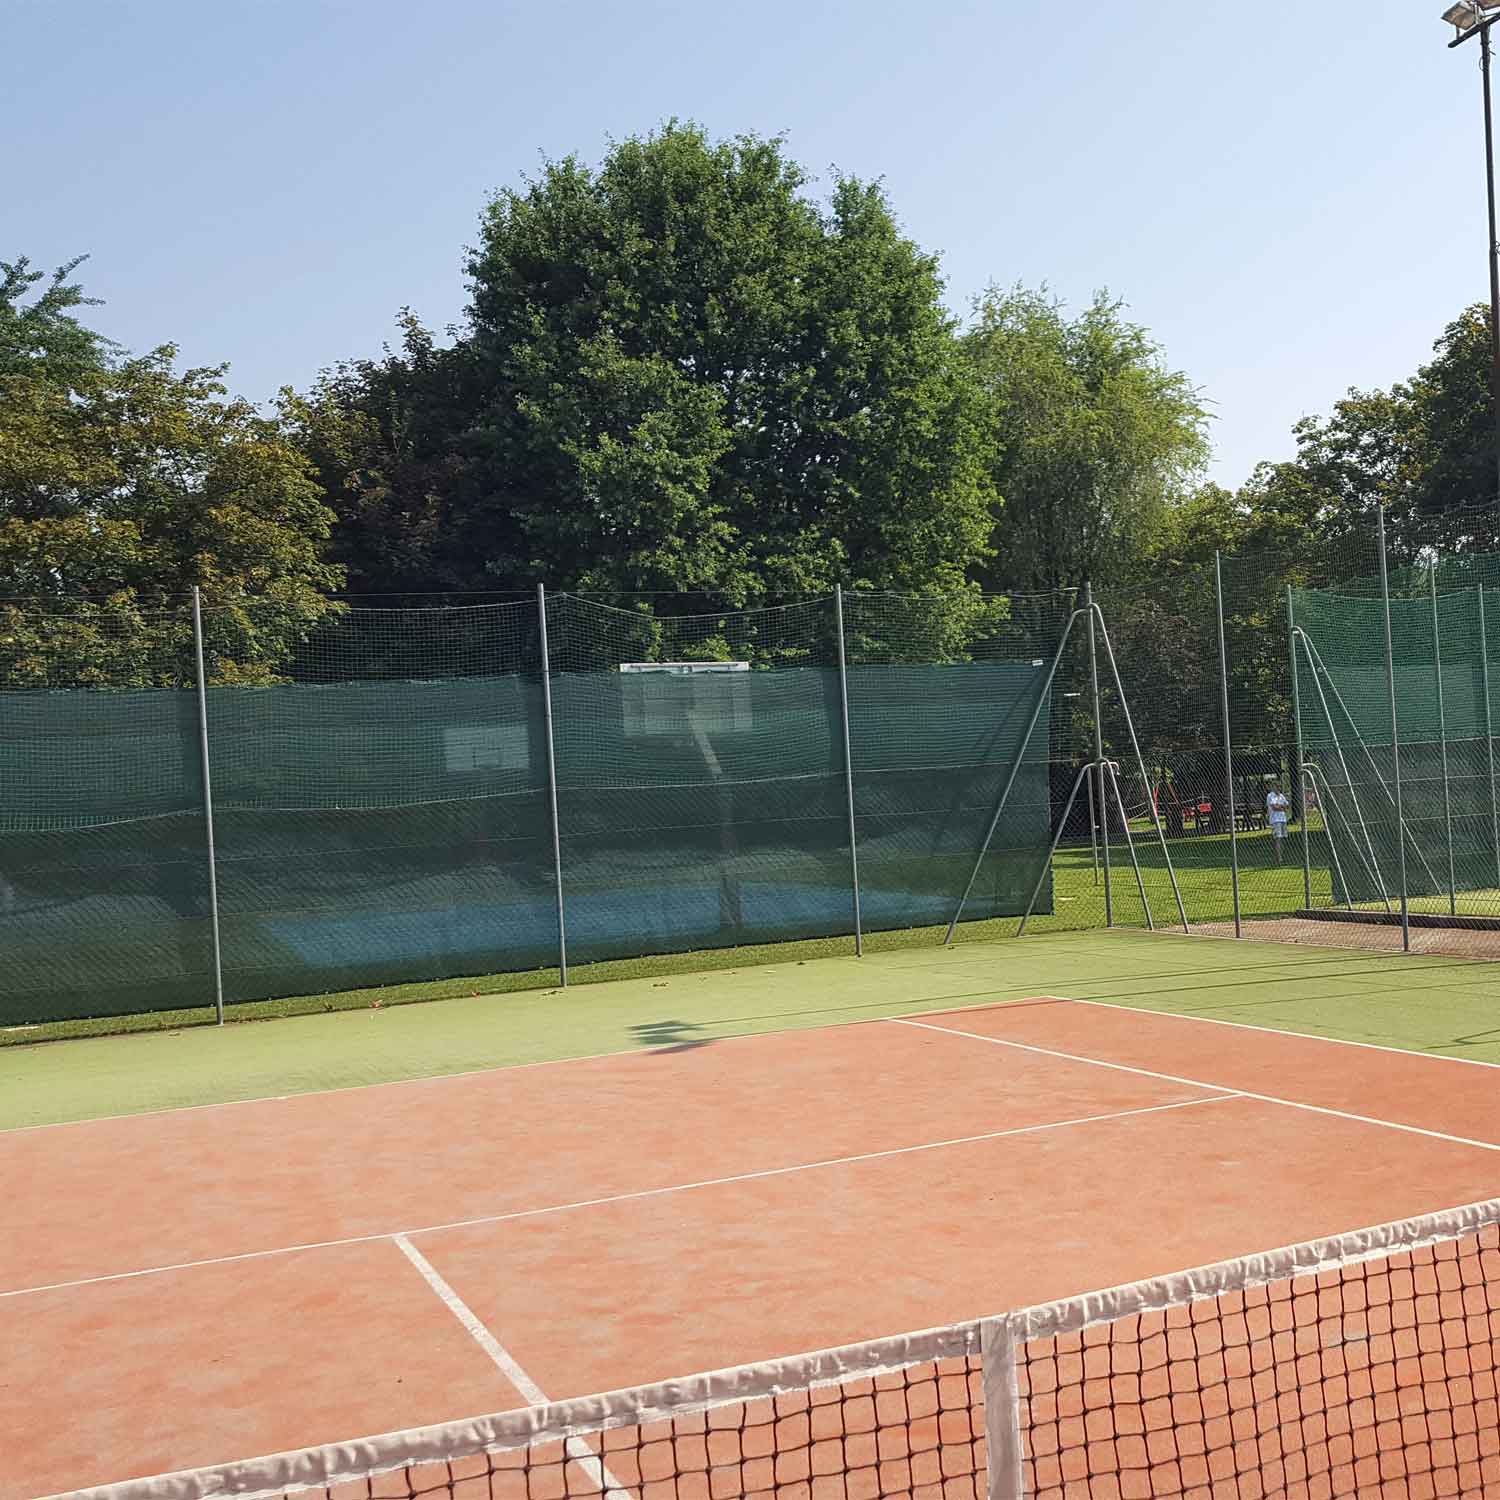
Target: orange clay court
[192, 1287]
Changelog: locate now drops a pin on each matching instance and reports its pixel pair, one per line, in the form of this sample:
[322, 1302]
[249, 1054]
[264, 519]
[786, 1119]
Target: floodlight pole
[838, 611]
[562, 926]
[1390, 682]
[1481, 28]
[208, 808]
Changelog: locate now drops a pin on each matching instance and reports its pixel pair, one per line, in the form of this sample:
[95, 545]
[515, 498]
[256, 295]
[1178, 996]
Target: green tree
[1094, 438]
[1424, 450]
[43, 333]
[122, 485]
[679, 372]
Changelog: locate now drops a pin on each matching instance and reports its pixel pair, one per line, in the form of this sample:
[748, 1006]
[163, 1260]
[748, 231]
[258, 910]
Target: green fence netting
[1445, 667]
[382, 813]
[104, 904]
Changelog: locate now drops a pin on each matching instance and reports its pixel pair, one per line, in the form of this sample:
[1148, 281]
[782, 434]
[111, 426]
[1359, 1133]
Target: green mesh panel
[1446, 750]
[103, 859]
[381, 807]
[714, 811]
[940, 695]
[378, 831]
[932, 749]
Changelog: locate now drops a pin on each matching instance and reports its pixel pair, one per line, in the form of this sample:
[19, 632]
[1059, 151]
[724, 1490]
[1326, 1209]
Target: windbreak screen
[104, 904]
[941, 694]
[1443, 687]
[701, 788]
[385, 817]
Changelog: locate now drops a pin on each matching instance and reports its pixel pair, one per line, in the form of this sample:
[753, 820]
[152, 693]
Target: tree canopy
[689, 369]
[679, 372]
[1094, 438]
[123, 484]
[1423, 449]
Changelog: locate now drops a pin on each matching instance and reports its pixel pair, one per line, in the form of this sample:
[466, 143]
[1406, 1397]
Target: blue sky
[1291, 201]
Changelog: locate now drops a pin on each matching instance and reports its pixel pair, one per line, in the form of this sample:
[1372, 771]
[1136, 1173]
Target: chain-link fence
[381, 795]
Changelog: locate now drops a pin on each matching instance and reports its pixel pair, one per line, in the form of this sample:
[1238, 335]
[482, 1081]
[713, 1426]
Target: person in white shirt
[1277, 808]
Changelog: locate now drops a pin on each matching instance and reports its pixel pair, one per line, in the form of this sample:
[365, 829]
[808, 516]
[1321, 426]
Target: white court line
[939, 1005]
[1215, 1096]
[576, 1449]
[1305, 1036]
[941, 1002]
[1099, 1062]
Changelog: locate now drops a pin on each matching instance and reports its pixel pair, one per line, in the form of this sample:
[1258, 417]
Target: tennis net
[1362, 1365]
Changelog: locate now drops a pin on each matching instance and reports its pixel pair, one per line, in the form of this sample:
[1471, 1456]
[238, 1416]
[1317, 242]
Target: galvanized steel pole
[1234, 848]
[1010, 781]
[1302, 783]
[838, 609]
[1489, 732]
[1140, 760]
[562, 925]
[1087, 604]
[1390, 682]
[1437, 658]
[208, 808]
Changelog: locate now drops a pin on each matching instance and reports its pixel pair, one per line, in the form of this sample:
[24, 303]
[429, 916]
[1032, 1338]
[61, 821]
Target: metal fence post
[562, 926]
[208, 808]
[1093, 831]
[1437, 659]
[1010, 781]
[1234, 848]
[1489, 732]
[838, 610]
[1302, 782]
[1140, 760]
[1390, 682]
[1087, 605]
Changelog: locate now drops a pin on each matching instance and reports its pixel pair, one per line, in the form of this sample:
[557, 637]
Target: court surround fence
[518, 786]
[1355, 1365]
[434, 791]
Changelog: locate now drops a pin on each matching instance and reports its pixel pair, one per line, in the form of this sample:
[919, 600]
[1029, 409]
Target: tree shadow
[669, 1036]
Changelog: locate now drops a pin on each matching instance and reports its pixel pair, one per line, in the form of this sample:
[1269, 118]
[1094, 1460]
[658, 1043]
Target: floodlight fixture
[1467, 14]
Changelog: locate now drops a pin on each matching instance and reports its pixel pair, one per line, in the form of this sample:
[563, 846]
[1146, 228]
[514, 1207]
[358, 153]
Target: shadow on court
[669, 1036]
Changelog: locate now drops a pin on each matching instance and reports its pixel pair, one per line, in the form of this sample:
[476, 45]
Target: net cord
[557, 1422]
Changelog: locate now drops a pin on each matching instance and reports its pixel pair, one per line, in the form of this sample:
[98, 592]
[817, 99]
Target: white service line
[1301, 1036]
[1216, 1095]
[1099, 1062]
[576, 1449]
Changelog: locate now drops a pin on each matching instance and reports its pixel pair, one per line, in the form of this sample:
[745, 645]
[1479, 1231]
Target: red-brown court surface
[210, 1284]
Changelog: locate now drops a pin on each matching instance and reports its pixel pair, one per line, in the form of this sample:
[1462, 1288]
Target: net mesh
[1377, 1378]
[1362, 1366]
